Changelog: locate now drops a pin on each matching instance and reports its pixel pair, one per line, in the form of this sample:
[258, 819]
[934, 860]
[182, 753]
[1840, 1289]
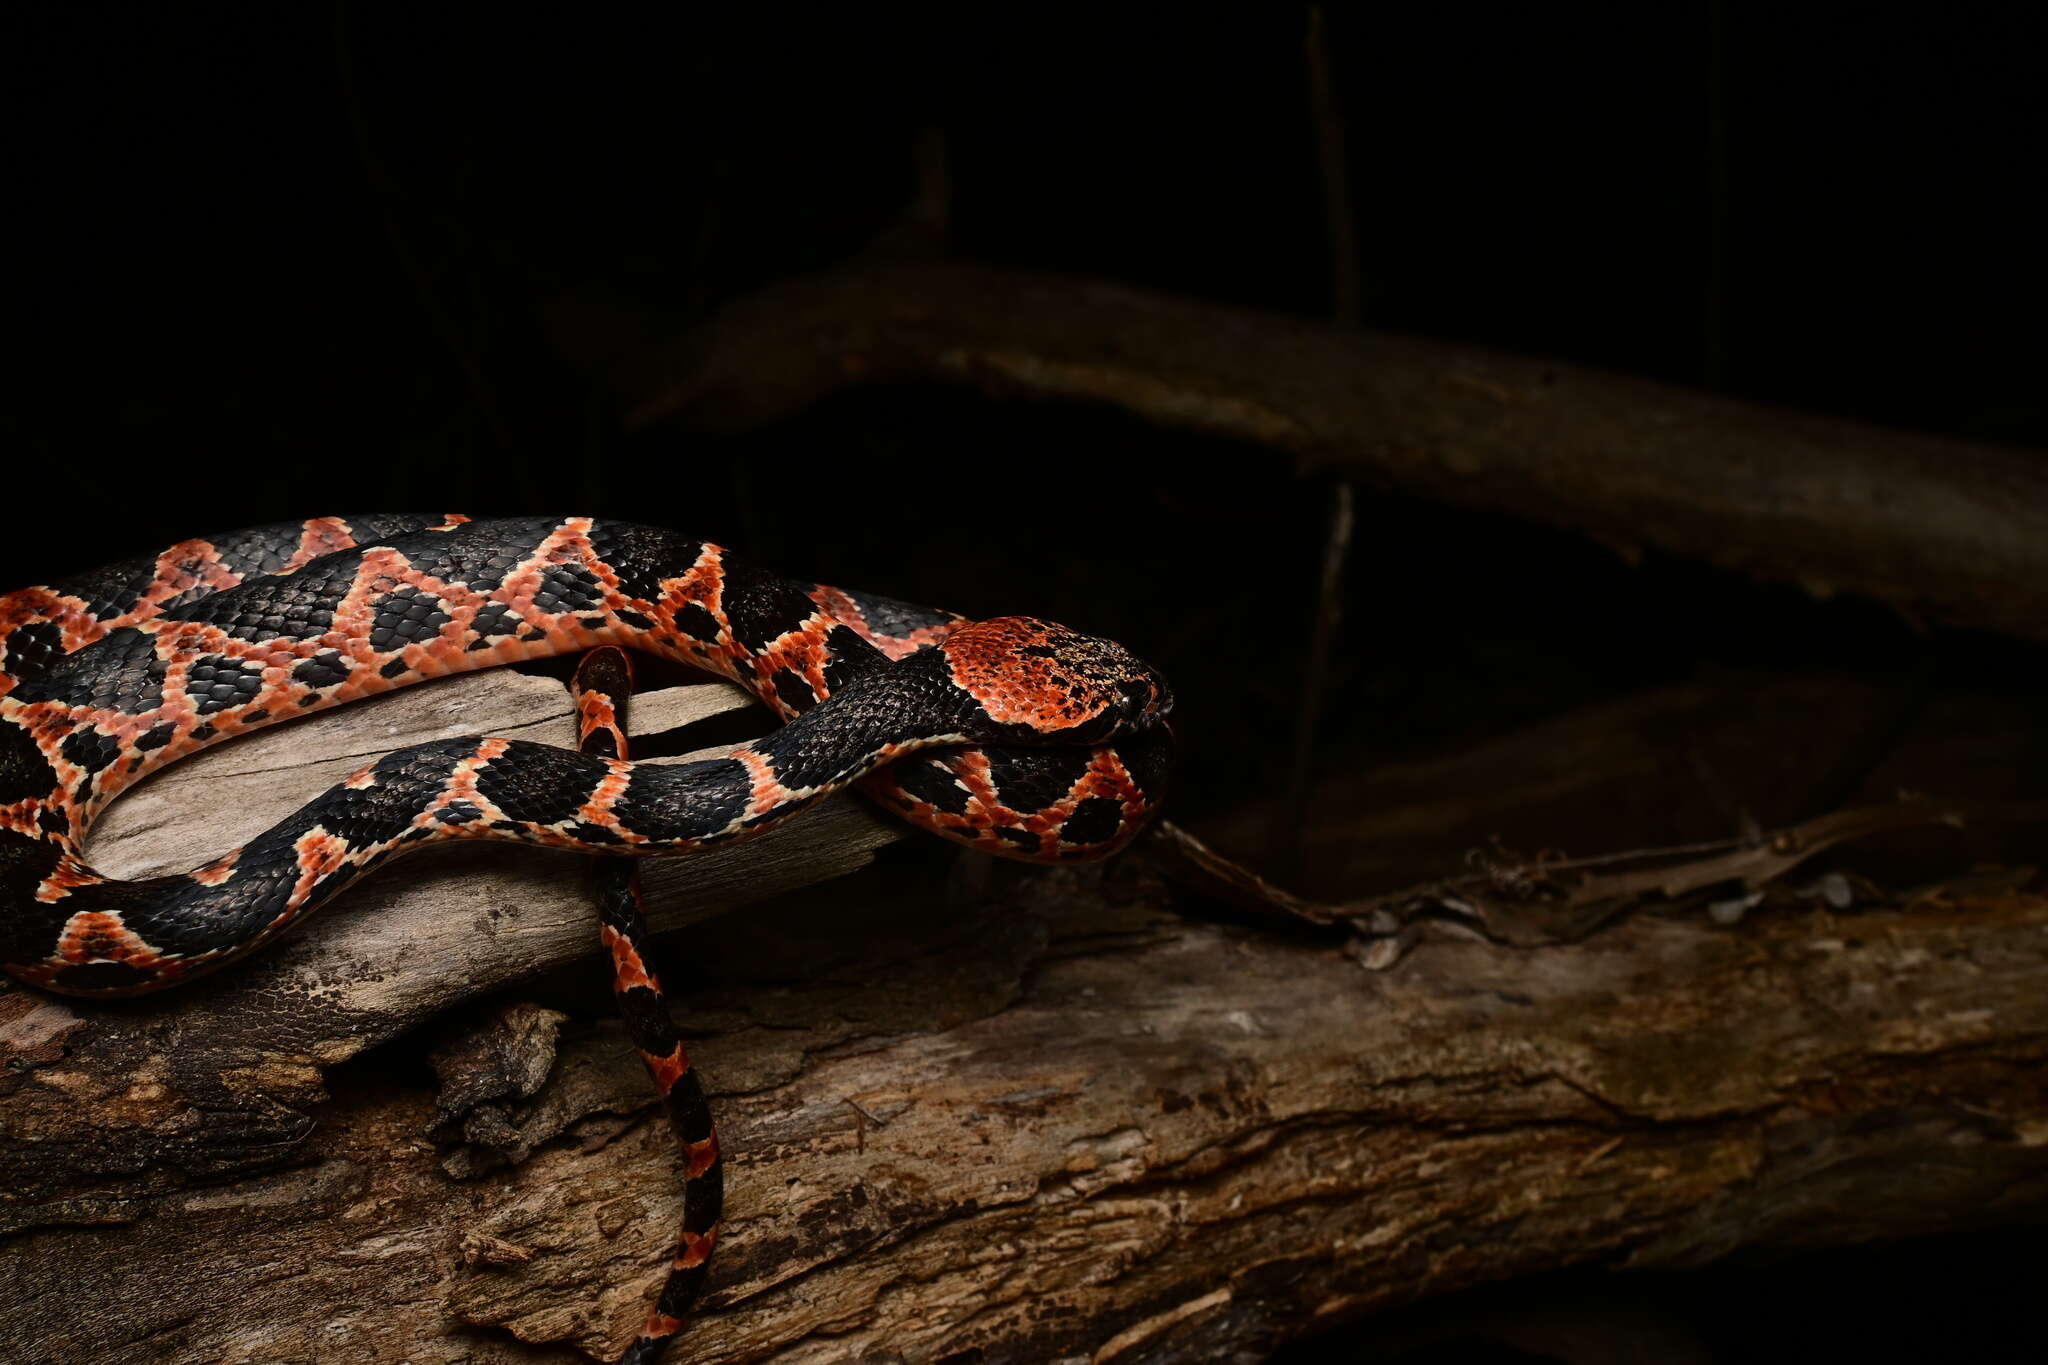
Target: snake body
[1011, 735]
[603, 681]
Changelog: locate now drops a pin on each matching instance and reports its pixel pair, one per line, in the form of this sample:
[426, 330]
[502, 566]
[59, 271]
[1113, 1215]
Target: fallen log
[1050, 1120]
[1946, 530]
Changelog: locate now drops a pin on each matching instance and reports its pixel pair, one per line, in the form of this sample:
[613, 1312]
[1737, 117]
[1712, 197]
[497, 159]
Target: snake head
[1034, 682]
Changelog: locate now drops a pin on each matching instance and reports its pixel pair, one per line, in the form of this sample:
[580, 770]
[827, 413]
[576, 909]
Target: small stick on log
[1551, 899]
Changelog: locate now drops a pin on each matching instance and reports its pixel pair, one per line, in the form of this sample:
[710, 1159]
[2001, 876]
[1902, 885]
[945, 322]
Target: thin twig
[1343, 249]
[1482, 898]
[1343, 239]
[1711, 343]
[1315, 675]
[862, 1117]
[1643, 854]
[1202, 869]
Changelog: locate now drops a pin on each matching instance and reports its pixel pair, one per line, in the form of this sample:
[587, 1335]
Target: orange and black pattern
[1011, 735]
[603, 681]
[1015, 736]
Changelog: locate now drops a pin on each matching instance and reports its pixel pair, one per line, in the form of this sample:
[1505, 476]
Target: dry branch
[1950, 529]
[1057, 1124]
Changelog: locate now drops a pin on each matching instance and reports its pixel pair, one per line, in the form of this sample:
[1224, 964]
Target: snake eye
[1145, 696]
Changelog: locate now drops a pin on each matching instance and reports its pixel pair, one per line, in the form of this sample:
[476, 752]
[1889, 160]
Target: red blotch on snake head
[1051, 681]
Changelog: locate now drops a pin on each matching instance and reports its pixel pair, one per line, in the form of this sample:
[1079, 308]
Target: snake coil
[1011, 735]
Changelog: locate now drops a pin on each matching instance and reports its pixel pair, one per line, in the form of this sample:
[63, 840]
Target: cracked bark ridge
[1947, 529]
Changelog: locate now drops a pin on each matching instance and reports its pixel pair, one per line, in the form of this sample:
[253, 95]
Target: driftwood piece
[1948, 529]
[1056, 1123]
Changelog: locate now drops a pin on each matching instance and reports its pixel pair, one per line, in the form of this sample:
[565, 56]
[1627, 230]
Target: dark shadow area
[1834, 1305]
[317, 257]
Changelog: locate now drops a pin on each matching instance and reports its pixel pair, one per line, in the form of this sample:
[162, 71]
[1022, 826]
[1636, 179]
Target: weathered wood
[1950, 529]
[1078, 1129]
[1059, 1123]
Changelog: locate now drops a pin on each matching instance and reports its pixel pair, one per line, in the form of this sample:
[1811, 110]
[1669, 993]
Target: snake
[601, 684]
[1011, 735]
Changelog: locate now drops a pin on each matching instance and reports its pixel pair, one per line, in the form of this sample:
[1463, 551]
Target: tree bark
[1946, 529]
[1045, 1118]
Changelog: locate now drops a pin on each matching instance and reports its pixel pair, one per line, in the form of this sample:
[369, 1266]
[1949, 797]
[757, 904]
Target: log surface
[1037, 1117]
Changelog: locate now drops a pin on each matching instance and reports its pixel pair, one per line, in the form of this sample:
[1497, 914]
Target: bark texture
[1037, 1117]
[1950, 530]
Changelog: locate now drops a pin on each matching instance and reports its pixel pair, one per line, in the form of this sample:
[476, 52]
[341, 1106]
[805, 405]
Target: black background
[292, 259]
[277, 261]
